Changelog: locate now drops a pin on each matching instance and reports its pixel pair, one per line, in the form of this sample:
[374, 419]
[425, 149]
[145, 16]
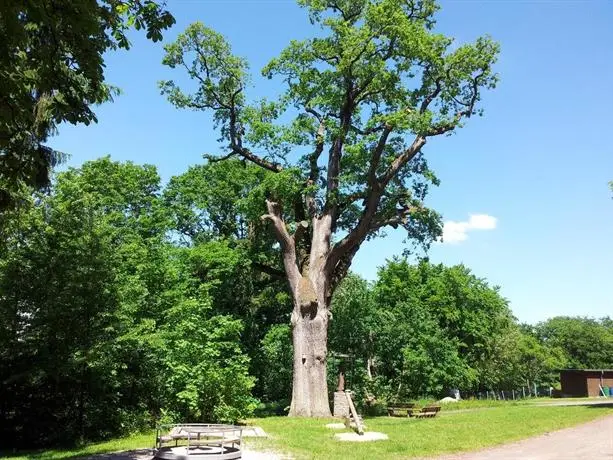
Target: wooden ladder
[359, 423]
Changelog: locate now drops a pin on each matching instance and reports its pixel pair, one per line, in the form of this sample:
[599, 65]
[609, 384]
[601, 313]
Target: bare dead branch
[274, 215]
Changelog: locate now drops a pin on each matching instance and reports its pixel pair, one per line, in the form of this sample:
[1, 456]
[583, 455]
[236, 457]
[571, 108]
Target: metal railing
[198, 440]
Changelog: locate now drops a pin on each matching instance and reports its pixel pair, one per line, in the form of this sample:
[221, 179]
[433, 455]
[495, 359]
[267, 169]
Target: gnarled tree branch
[248, 155]
[401, 218]
[286, 241]
[271, 271]
[402, 159]
[376, 156]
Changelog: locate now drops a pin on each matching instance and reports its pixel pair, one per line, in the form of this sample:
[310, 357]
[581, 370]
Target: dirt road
[590, 441]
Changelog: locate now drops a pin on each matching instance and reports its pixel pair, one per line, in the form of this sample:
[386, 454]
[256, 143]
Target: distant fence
[508, 395]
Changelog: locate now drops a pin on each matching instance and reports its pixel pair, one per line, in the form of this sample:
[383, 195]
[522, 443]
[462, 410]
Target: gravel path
[590, 441]
[607, 402]
[584, 402]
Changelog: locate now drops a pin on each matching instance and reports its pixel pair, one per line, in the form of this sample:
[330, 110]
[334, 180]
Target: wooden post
[358, 422]
[341, 377]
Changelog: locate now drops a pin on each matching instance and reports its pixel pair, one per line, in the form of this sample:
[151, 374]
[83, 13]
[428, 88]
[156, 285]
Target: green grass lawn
[450, 431]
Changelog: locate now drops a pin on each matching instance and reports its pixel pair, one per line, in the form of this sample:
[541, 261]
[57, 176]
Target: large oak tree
[343, 142]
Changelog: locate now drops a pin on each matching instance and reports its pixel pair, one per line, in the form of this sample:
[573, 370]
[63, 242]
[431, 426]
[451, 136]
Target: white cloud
[456, 232]
[481, 222]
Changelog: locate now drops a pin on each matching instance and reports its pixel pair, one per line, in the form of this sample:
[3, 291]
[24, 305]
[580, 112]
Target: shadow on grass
[602, 405]
[130, 455]
[139, 454]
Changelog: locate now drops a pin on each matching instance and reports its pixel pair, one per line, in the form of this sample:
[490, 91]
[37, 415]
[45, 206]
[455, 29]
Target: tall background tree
[52, 71]
[586, 343]
[104, 324]
[446, 322]
[343, 142]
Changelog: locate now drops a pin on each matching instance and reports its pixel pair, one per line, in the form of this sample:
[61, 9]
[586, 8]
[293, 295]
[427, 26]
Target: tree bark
[309, 282]
[310, 383]
[310, 319]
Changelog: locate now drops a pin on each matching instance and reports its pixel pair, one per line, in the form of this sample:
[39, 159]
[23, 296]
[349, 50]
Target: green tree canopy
[212, 201]
[587, 343]
[104, 325]
[52, 71]
[447, 312]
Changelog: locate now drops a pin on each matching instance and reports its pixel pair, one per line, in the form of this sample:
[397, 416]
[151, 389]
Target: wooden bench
[427, 412]
[400, 409]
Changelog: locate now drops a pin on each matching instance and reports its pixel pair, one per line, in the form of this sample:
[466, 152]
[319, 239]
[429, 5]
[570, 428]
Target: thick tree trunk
[309, 282]
[310, 331]
[310, 383]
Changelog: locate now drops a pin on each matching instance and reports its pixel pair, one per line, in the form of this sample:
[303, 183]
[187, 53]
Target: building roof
[584, 370]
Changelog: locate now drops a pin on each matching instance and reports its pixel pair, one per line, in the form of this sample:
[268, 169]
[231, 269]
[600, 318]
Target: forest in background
[124, 302]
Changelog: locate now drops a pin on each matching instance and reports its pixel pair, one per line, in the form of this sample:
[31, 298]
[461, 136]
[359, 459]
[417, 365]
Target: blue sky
[538, 162]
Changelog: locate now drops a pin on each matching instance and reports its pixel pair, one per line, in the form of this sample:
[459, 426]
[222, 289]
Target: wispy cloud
[456, 232]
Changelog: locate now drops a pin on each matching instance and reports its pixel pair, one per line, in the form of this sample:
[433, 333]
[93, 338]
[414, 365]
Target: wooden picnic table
[400, 409]
[203, 435]
[210, 438]
[427, 411]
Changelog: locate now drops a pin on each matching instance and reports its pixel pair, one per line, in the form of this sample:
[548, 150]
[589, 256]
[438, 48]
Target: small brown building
[585, 382]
